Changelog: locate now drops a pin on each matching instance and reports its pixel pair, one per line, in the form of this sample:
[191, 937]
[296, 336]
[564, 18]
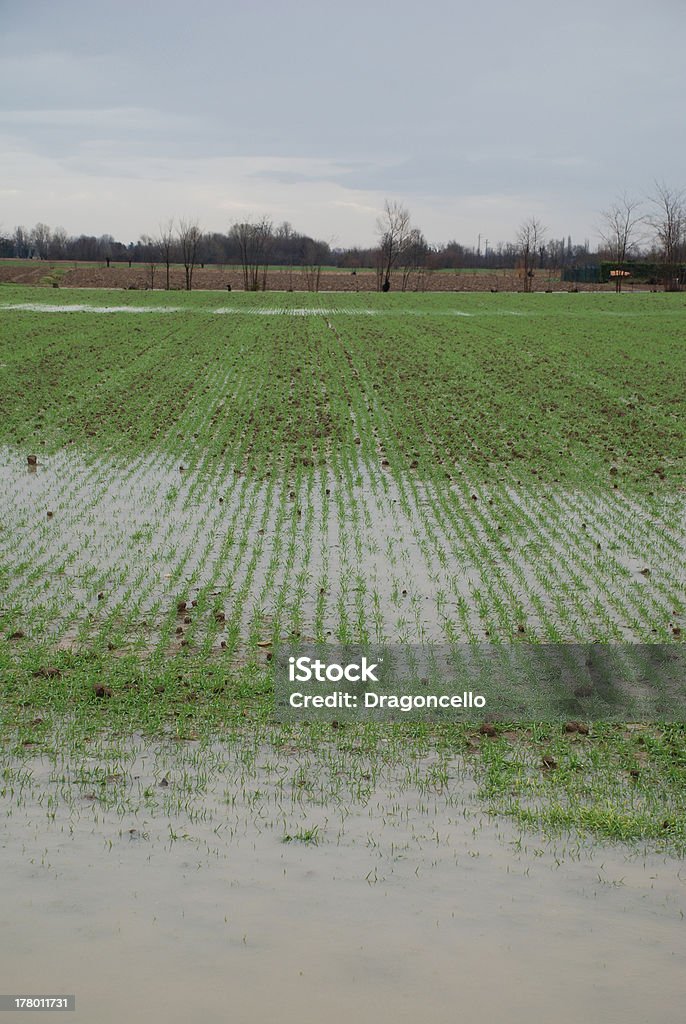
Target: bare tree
[152, 252]
[620, 233]
[167, 243]
[283, 240]
[393, 228]
[529, 244]
[21, 241]
[6, 247]
[58, 244]
[669, 222]
[314, 254]
[413, 256]
[254, 240]
[189, 236]
[41, 236]
[106, 246]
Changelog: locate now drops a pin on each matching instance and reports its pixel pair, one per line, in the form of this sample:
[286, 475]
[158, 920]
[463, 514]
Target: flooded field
[241, 882]
[181, 492]
[100, 550]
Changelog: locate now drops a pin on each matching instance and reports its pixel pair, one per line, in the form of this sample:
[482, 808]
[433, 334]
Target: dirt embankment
[139, 277]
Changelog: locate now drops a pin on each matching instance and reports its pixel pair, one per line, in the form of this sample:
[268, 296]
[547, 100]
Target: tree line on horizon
[629, 230]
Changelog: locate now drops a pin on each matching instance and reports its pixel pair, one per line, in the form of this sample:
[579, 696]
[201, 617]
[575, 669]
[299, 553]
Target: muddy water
[359, 551]
[164, 891]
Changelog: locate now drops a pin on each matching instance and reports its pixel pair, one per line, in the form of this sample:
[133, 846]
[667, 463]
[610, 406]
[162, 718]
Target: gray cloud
[311, 109]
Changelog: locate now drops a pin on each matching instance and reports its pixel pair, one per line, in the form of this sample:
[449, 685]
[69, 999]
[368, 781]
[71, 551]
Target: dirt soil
[138, 277]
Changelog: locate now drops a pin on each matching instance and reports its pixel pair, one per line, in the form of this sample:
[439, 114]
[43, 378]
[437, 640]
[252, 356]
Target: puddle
[290, 311]
[44, 307]
[352, 553]
[161, 888]
[249, 310]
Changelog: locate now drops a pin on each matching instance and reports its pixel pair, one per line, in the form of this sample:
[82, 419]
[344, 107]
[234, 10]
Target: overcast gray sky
[115, 116]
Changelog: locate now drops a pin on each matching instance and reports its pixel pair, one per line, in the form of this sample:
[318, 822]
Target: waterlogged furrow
[256, 558]
[413, 500]
[512, 604]
[642, 558]
[386, 536]
[294, 469]
[77, 543]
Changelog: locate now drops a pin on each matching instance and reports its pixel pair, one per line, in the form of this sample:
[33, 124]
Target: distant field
[114, 264]
[90, 264]
[139, 276]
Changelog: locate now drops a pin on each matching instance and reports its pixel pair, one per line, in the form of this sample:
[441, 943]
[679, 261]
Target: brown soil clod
[181, 607]
[100, 690]
[47, 672]
[488, 729]
[549, 763]
[579, 727]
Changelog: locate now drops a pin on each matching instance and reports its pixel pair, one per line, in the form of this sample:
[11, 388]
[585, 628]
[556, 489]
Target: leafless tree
[106, 246]
[393, 228]
[167, 243]
[58, 244]
[620, 232]
[254, 239]
[529, 243]
[669, 223]
[189, 236]
[413, 256]
[153, 253]
[314, 254]
[21, 240]
[41, 236]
